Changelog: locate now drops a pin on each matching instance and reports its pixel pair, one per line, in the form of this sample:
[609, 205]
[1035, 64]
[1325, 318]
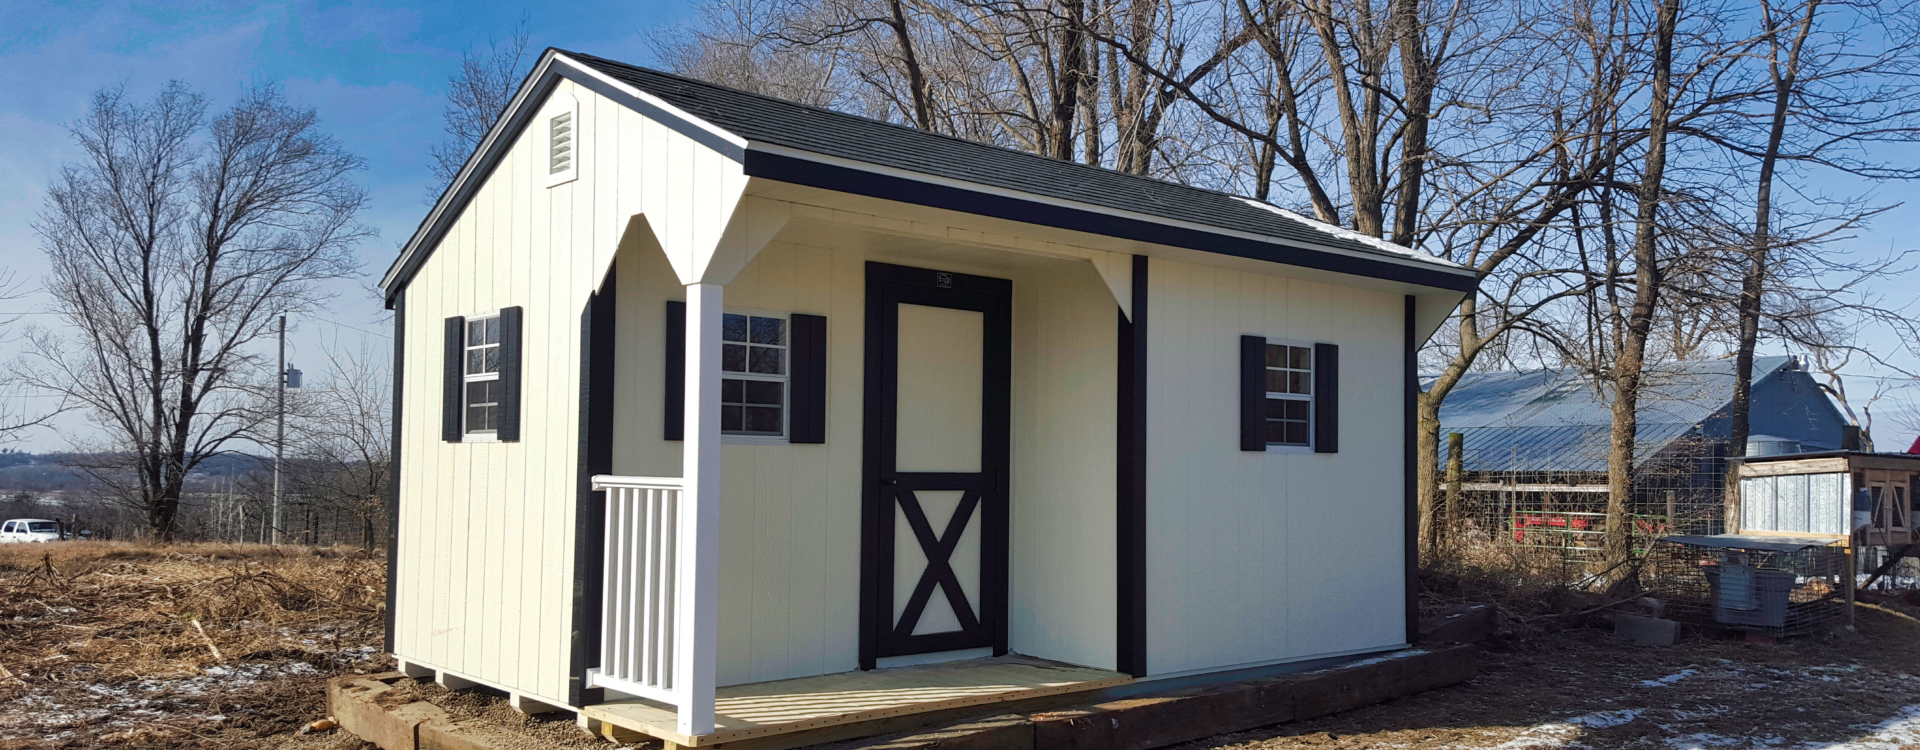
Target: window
[42, 527]
[1289, 395]
[753, 369]
[482, 375]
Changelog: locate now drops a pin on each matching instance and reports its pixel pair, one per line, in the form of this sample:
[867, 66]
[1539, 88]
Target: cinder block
[1651, 631]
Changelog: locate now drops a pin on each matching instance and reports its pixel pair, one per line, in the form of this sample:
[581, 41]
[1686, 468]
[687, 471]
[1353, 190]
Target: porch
[788, 708]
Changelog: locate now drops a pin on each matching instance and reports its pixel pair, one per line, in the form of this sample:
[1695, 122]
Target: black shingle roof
[774, 121]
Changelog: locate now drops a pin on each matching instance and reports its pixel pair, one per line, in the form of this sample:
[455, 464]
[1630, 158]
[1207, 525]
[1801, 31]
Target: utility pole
[280, 428]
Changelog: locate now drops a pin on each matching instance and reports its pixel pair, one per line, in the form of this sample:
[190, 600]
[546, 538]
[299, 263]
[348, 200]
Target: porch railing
[642, 591]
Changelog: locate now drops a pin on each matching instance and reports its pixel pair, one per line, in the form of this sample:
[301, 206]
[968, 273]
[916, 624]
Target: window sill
[752, 440]
[479, 437]
[1284, 449]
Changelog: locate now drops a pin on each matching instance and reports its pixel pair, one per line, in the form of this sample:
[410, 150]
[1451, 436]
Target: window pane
[1276, 381]
[473, 362]
[1276, 355]
[1297, 410]
[733, 328]
[1296, 433]
[476, 419]
[768, 361]
[493, 330]
[769, 331]
[763, 419]
[730, 391]
[730, 418]
[763, 392]
[476, 333]
[1299, 382]
[1302, 358]
[480, 392]
[733, 357]
[493, 359]
[1277, 408]
[1276, 431]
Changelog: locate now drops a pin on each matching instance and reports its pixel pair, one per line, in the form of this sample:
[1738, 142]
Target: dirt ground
[99, 647]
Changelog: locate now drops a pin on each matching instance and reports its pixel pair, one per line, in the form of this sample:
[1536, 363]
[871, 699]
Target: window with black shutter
[772, 376]
[1288, 395]
[483, 377]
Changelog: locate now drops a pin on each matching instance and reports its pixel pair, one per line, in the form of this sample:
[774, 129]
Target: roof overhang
[797, 167]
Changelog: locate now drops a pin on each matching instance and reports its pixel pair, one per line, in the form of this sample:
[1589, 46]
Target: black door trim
[1130, 532]
[882, 488]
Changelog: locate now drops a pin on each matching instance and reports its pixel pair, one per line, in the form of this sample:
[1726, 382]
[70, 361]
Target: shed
[1858, 499]
[710, 404]
[1535, 442]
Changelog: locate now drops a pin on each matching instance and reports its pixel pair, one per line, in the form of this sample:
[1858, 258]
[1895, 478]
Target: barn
[708, 402]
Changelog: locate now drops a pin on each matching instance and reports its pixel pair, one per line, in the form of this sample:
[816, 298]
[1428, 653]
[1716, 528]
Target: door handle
[889, 481]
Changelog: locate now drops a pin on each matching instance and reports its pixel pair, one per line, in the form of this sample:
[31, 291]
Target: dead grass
[214, 646]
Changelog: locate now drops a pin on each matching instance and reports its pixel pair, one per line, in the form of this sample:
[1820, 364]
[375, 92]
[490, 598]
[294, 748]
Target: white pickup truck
[29, 530]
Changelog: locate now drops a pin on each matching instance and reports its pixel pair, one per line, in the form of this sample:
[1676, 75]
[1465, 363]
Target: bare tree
[344, 430]
[174, 241]
[16, 413]
[476, 95]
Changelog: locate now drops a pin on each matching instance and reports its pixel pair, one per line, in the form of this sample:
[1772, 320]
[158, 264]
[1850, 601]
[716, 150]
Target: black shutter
[1326, 398]
[1253, 393]
[807, 420]
[676, 363]
[452, 403]
[511, 323]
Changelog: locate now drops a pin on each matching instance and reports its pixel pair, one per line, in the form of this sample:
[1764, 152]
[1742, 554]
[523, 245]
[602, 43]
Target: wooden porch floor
[768, 709]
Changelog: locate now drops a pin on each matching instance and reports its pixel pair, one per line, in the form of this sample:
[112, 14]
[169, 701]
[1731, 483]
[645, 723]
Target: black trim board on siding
[1410, 504]
[393, 465]
[1130, 483]
[810, 173]
[1253, 393]
[595, 457]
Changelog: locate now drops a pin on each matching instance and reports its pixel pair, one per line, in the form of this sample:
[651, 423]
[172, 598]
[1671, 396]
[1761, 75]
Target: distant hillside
[21, 471]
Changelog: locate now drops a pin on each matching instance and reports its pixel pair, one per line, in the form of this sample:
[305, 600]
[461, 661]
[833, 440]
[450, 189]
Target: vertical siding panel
[846, 328]
[813, 275]
[510, 181]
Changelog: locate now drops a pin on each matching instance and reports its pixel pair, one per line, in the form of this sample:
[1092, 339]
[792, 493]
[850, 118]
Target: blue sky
[376, 72]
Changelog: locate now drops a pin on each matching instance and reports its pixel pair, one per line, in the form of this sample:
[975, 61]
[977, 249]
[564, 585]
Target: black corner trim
[674, 359]
[1130, 482]
[1326, 398]
[450, 401]
[808, 422]
[876, 185]
[1253, 393]
[1410, 511]
[512, 324]
[393, 466]
[595, 457]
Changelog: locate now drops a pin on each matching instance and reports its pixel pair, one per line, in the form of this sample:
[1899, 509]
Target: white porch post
[696, 621]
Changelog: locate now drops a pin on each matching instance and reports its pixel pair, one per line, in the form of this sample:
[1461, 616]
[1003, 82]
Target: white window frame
[467, 436]
[560, 104]
[785, 379]
[1312, 366]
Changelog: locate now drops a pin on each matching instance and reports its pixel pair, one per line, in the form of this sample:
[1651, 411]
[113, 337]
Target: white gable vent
[563, 140]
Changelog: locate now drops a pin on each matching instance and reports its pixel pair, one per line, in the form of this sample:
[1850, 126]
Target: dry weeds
[188, 646]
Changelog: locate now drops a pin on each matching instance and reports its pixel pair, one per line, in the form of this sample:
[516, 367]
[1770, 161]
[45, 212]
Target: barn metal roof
[1559, 421]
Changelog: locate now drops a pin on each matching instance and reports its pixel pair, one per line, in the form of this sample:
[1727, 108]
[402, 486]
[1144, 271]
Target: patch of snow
[1376, 660]
[1562, 734]
[1353, 236]
[1670, 679]
[1701, 741]
[1901, 731]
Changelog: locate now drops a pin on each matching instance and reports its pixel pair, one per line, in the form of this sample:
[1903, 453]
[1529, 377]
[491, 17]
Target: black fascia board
[809, 173]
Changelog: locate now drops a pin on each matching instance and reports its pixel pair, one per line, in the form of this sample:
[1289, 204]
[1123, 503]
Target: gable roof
[1557, 421]
[789, 142]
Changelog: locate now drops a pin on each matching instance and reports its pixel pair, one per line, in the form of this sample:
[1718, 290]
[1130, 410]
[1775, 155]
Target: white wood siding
[1256, 557]
[1065, 364]
[790, 514]
[486, 529]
